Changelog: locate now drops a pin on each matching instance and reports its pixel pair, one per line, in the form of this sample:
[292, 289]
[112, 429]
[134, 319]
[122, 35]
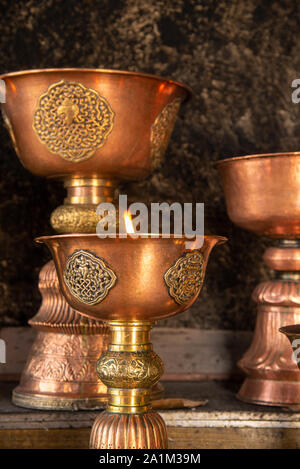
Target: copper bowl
[90, 123]
[138, 273]
[263, 193]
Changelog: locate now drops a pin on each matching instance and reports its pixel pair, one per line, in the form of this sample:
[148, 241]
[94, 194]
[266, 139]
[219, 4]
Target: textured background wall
[239, 57]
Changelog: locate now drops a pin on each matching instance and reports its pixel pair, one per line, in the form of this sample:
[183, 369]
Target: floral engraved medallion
[88, 277]
[161, 131]
[185, 277]
[72, 121]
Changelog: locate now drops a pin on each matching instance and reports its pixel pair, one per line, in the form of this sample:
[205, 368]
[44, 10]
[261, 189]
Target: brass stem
[78, 214]
[89, 191]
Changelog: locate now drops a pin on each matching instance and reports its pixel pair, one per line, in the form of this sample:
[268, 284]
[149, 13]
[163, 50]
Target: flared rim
[256, 156]
[98, 70]
[40, 239]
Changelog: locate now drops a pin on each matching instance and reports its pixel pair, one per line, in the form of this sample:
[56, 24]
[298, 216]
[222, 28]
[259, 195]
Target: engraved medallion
[88, 277]
[72, 121]
[161, 131]
[185, 277]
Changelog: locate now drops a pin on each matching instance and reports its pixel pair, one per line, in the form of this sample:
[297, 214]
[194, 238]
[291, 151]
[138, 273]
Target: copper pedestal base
[270, 392]
[60, 373]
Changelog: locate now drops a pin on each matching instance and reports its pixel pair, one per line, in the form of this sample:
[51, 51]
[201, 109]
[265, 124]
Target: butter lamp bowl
[262, 193]
[129, 279]
[90, 122]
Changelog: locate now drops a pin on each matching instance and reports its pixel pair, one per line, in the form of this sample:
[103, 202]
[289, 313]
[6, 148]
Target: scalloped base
[129, 431]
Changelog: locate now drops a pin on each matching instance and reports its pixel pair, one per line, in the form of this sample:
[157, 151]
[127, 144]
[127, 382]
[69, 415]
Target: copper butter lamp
[90, 129]
[129, 284]
[263, 195]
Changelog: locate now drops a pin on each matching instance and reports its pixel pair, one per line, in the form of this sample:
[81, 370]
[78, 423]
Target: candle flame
[12, 86]
[128, 223]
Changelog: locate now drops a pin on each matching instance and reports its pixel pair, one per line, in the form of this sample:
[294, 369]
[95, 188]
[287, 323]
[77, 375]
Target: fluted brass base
[129, 431]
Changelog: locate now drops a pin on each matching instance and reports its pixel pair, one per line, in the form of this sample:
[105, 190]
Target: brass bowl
[144, 278]
[90, 123]
[263, 193]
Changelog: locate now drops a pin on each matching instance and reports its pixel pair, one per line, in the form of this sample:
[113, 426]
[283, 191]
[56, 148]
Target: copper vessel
[262, 195]
[91, 129]
[129, 284]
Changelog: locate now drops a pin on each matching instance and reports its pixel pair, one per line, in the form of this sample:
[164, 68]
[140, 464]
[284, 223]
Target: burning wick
[128, 223]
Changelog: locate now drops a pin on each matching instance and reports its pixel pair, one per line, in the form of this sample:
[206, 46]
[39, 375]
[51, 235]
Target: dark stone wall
[239, 57]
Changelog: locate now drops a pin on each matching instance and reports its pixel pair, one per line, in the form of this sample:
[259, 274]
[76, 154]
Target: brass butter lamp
[262, 196]
[91, 129]
[129, 284]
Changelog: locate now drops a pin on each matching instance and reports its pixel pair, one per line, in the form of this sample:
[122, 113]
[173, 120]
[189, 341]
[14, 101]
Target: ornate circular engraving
[72, 121]
[185, 277]
[161, 131]
[88, 277]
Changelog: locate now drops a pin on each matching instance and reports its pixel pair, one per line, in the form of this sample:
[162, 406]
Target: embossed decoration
[88, 277]
[129, 369]
[185, 277]
[161, 131]
[73, 121]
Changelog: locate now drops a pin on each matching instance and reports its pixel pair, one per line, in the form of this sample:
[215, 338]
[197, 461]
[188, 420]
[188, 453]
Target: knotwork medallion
[185, 277]
[88, 277]
[161, 131]
[72, 121]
